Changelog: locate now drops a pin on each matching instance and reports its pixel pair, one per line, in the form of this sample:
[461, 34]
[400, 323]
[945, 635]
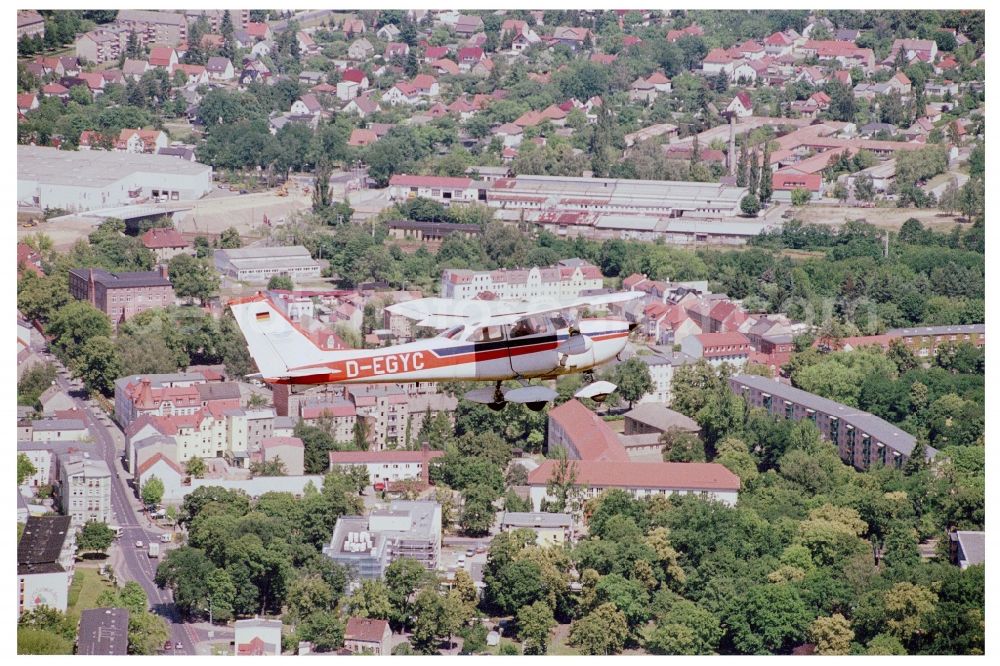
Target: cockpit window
[453, 331]
[487, 334]
[530, 326]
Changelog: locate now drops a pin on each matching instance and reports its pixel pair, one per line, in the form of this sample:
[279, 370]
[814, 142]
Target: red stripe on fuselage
[429, 360]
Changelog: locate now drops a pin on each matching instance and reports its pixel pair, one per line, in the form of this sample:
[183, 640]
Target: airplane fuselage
[496, 355]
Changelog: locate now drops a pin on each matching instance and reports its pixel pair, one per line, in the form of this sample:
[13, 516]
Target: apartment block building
[153, 27]
[84, 488]
[862, 439]
[387, 466]
[121, 295]
[924, 340]
[569, 278]
[639, 479]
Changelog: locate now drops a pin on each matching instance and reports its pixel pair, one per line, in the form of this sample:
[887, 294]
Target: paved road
[138, 566]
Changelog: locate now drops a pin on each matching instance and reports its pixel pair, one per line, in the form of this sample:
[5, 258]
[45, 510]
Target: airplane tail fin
[275, 344]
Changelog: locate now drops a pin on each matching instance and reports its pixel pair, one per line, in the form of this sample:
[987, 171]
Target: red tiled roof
[155, 458]
[352, 74]
[730, 339]
[790, 180]
[661, 475]
[591, 436]
[387, 456]
[157, 239]
[365, 629]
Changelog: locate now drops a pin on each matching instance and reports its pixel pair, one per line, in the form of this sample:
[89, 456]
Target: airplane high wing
[441, 313]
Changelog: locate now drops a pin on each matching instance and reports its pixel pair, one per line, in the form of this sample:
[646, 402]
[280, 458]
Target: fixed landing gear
[498, 400]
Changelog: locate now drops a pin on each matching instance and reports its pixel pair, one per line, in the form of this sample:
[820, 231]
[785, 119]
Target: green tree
[193, 278]
[831, 635]
[230, 239]
[39, 641]
[24, 468]
[73, 325]
[324, 630]
[766, 619]
[152, 491]
[100, 365]
[602, 631]
[371, 600]
[478, 512]
[34, 382]
[801, 196]
[283, 282]
[195, 467]
[685, 629]
[534, 623]
[94, 537]
[633, 379]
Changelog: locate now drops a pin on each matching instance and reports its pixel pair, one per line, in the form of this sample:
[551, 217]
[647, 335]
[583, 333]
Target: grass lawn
[87, 585]
[558, 645]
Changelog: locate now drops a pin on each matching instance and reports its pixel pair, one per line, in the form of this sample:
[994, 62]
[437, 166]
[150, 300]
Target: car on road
[480, 549]
[470, 552]
[138, 544]
[168, 645]
[178, 645]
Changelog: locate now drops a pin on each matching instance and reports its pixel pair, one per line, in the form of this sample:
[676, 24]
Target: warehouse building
[89, 180]
[617, 195]
[259, 264]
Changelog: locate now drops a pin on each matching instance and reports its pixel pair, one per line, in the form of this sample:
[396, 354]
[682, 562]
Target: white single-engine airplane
[481, 341]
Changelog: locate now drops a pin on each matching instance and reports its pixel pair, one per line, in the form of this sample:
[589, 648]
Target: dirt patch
[885, 218]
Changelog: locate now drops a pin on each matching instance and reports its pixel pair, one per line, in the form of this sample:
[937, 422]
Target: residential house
[360, 49]
[551, 529]
[165, 243]
[220, 69]
[27, 102]
[163, 57]
[396, 50]
[134, 69]
[364, 635]
[352, 27]
[388, 32]
[574, 38]
[307, 105]
[741, 106]
[924, 50]
[347, 90]
[466, 26]
[363, 105]
[196, 74]
[355, 75]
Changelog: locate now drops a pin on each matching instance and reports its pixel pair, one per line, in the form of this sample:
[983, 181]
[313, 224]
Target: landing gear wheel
[588, 377]
[497, 406]
[536, 406]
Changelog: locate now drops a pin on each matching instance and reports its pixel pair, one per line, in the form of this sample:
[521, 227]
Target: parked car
[138, 544]
[470, 552]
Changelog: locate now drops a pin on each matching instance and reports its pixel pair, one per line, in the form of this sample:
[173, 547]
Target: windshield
[453, 331]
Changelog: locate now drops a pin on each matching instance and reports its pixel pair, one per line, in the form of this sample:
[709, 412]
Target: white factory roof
[95, 168]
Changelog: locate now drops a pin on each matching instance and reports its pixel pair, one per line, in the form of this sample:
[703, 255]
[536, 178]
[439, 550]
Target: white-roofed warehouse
[94, 179]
